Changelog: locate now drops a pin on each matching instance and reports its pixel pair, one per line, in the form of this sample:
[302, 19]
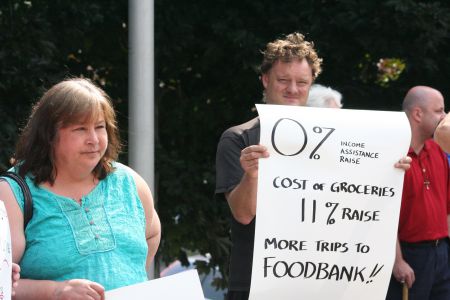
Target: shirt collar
[424, 151]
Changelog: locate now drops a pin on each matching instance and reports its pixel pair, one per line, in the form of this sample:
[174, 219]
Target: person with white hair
[322, 96]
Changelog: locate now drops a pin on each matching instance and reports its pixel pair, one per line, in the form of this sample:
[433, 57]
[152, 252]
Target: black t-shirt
[228, 175]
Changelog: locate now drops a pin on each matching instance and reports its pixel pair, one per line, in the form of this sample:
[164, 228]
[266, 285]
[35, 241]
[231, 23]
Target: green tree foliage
[208, 53]
[207, 58]
[43, 42]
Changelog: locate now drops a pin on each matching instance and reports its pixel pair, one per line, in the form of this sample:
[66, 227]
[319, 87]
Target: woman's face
[80, 146]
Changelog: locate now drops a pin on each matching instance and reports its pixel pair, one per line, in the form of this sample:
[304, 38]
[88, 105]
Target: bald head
[419, 96]
[425, 108]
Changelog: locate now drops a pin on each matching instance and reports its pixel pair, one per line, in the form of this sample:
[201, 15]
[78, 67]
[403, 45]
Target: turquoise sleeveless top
[102, 240]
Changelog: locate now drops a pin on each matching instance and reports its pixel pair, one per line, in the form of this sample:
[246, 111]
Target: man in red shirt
[422, 254]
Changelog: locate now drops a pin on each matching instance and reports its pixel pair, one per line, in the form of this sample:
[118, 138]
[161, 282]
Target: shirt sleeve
[228, 168]
[17, 191]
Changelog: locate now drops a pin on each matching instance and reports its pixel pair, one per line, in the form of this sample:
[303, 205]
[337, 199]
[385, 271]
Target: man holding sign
[289, 68]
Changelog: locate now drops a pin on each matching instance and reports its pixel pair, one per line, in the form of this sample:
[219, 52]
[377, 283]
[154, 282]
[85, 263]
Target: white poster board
[328, 202]
[5, 255]
[185, 285]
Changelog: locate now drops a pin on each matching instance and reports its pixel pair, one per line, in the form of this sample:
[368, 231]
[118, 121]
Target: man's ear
[265, 80]
[417, 114]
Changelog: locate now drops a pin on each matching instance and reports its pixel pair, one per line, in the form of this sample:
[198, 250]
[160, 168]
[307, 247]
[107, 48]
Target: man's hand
[404, 163]
[403, 272]
[242, 199]
[249, 159]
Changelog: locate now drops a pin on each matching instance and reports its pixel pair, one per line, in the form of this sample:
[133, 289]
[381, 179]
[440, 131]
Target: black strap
[28, 203]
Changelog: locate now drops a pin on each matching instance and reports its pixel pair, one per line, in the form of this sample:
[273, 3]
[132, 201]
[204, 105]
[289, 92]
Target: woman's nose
[92, 136]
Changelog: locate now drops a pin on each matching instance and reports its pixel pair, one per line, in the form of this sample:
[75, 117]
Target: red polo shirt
[426, 196]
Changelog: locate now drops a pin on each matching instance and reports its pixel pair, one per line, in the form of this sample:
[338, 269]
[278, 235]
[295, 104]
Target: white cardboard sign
[328, 202]
[5, 255]
[185, 285]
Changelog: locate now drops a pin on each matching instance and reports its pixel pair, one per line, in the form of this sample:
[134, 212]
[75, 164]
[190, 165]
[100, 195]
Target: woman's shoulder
[121, 172]
[124, 172]
[119, 169]
[13, 185]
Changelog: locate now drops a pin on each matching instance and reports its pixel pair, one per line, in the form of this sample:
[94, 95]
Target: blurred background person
[322, 96]
[442, 134]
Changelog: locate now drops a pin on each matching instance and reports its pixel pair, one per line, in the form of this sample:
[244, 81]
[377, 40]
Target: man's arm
[442, 134]
[402, 271]
[242, 199]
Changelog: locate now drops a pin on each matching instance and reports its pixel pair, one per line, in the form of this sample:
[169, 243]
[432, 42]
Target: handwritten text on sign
[328, 202]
